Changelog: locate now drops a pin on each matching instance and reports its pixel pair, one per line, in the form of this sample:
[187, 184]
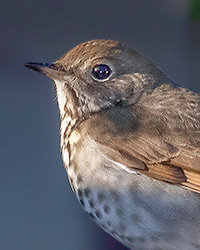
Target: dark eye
[101, 72]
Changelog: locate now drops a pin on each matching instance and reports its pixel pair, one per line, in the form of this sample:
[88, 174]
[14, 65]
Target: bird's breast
[135, 209]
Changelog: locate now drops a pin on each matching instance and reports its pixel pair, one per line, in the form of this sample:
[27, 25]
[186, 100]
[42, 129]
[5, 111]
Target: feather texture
[161, 143]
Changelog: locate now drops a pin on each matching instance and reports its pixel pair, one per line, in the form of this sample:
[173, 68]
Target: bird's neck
[70, 112]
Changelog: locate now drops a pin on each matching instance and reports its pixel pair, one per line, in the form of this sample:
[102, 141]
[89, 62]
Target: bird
[130, 144]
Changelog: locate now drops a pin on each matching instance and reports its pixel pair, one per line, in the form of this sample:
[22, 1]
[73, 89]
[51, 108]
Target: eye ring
[101, 72]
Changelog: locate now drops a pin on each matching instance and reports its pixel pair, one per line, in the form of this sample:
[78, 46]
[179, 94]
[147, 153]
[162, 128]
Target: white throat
[67, 122]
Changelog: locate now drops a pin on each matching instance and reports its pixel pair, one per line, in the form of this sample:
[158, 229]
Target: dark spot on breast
[91, 203]
[100, 197]
[109, 223]
[79, 178]
[67, 130]
[98, 214]
[68, 148]
[106, 209]
[82, 202]
[87, 192]
[92, 216]
[80, 193]
[115, 196]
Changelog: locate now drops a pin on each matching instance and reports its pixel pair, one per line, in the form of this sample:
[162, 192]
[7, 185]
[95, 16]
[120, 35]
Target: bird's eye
[101, 72]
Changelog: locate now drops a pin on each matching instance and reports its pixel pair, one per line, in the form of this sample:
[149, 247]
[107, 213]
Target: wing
[159, 137]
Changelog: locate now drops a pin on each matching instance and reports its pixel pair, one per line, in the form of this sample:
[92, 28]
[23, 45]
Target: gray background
[37, 208]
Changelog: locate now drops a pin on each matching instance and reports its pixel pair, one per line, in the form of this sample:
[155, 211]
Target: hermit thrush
[130, 142]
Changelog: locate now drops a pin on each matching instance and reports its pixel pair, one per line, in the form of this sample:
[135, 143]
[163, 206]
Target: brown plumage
[164, 135]
[130, 141]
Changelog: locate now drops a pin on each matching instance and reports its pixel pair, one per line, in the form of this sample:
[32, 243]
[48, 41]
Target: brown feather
[167, 173]
[161, 143]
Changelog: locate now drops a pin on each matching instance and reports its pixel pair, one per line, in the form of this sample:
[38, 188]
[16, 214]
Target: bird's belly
[139, 220]
[119, 215]
[142, 213]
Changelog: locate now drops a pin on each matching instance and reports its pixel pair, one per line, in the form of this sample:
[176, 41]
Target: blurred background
[38, 210]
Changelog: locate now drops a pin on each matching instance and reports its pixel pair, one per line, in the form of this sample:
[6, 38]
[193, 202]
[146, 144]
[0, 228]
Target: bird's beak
[47, 69]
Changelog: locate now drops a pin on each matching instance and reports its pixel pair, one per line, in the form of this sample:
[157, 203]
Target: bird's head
[100, 74]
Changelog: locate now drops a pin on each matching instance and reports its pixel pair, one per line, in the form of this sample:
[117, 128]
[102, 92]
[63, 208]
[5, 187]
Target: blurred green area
[194, 10]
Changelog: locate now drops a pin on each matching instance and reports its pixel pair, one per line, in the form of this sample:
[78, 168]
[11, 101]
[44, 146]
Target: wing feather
[159, 137]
